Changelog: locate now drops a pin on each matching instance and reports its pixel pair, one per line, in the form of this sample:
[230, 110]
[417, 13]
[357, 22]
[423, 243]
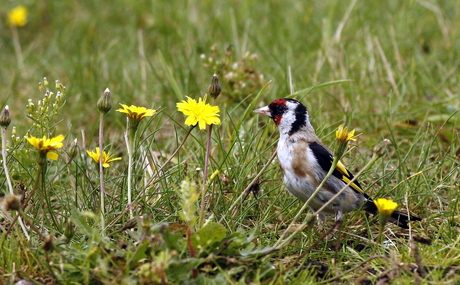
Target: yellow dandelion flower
[106, 157]
[199, 112]
[343, 135]
[18, 16]
[136, 113]
[46, 146]
[385, 207]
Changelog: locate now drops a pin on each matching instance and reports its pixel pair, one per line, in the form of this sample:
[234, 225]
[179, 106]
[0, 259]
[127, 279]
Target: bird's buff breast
[298, 164]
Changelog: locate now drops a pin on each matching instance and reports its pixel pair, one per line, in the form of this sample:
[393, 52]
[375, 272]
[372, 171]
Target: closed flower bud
[12, 202]
[59, 97]
[104, 104]
[30, 107]
[381, 147]
[130, 224]
[73, 150]
[40, 86]
[69, 231]
[5, 119]
[214, 89]
[45, 81]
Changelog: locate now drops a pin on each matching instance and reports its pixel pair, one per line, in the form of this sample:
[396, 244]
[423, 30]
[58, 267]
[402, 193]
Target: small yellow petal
[191, 121]
[52, 155]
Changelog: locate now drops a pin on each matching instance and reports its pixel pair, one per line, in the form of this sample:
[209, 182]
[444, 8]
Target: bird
[305, 161]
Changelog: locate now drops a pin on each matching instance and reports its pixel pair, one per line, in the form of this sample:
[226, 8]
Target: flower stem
[42, 170]
[10, 186]
[191, 248]
[130, 143]
[8, 180]
[205, 176]
[17, 47]
[130, 160]
[380, 235]
[101, 170]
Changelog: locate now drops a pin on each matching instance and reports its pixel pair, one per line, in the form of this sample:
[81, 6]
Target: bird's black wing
[325, 158]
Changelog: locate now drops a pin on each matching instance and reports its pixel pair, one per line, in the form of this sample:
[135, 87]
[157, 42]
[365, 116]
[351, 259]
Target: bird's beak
[264, 111]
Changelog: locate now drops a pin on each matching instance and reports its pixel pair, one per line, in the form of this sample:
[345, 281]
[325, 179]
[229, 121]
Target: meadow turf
[389, 69]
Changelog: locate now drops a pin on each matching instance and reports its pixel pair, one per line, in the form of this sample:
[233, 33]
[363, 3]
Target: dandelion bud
[73, 150]
[5, 119]
[214, 88]
[130, 224]
[69, 231]
[45, 81]
[381, 147]
[104, 104]
[12, 202]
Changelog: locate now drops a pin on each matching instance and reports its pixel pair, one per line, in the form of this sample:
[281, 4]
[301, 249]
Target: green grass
[399, 62]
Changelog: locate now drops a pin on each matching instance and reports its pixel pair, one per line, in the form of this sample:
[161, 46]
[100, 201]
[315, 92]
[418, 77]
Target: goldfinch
[305, 161]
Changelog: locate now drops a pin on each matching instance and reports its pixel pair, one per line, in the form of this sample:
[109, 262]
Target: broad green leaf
[209, 234]
[79, 219]
[139, 254]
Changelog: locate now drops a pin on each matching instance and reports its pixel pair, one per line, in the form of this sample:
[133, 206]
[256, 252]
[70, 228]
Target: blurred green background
[401, 55]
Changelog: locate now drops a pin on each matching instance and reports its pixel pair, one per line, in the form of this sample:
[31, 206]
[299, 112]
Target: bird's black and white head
[288, 114]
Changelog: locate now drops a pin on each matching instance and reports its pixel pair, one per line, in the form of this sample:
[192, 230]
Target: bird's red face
[278, 108]
[288, 114]
[275, 110]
